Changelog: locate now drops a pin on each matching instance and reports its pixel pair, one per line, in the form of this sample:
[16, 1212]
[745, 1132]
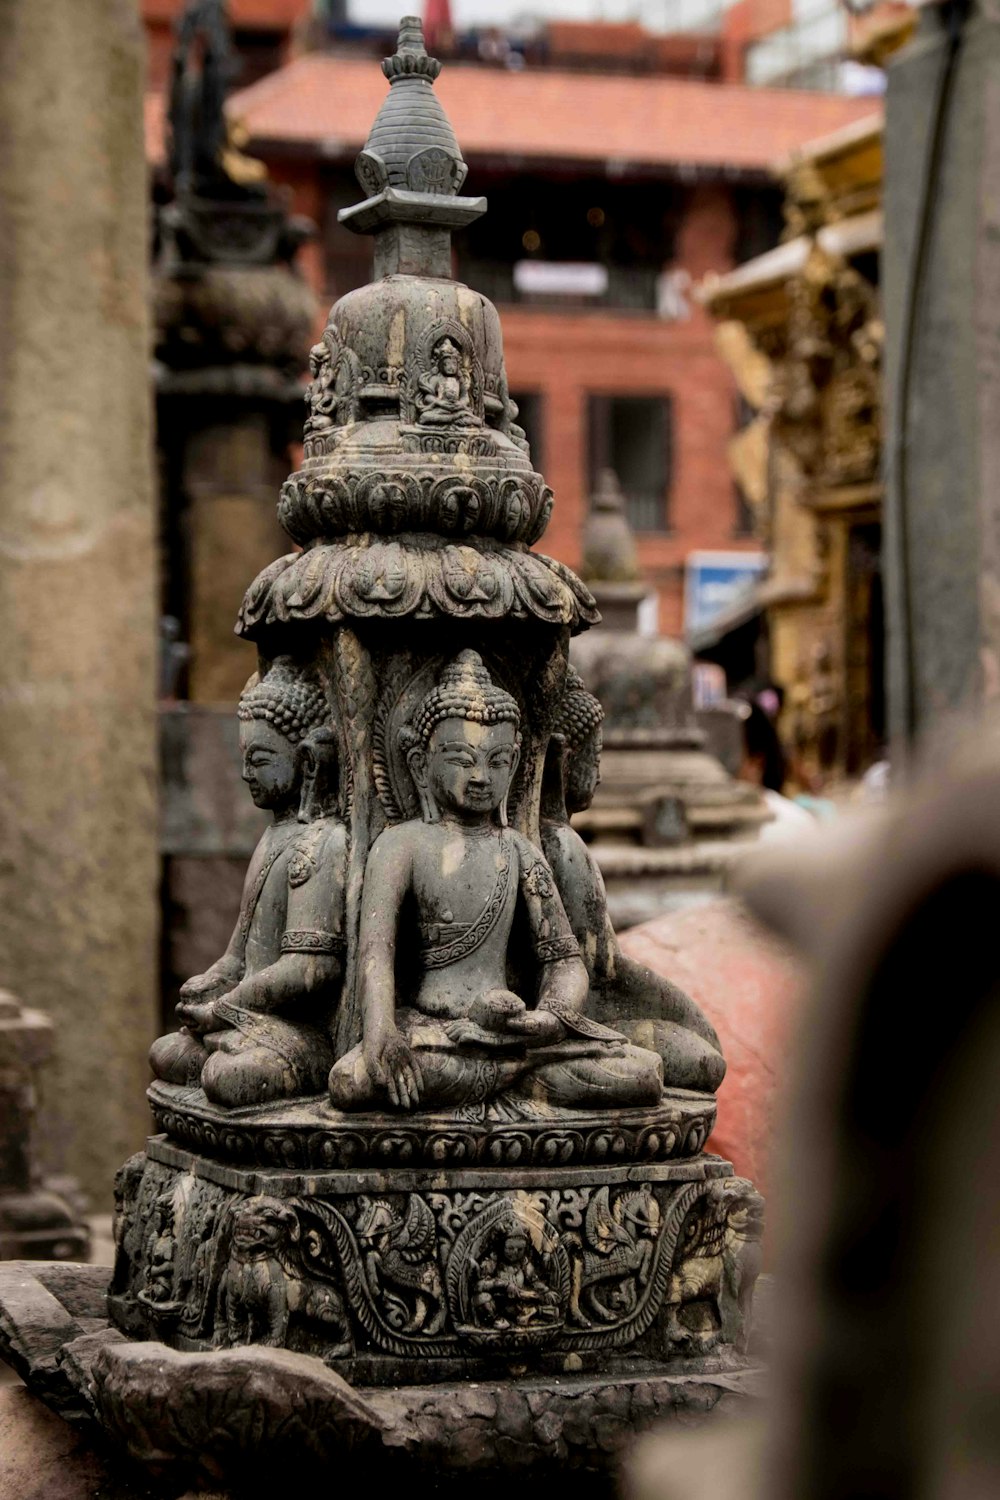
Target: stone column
[231, 472]
[78, 867]
[942, 304]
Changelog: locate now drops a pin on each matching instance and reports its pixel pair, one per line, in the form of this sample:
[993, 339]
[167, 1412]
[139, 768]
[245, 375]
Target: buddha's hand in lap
[198, 1017]
[538, 1028]
[207, 986]
[465, 1032]
[394, 1067]
[501, 1019]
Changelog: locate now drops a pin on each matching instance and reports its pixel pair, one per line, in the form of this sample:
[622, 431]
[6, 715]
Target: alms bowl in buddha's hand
[495, 1010]
[491, 1023]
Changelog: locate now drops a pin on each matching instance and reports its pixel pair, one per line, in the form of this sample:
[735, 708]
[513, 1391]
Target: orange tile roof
[331, 101]
[268, 15]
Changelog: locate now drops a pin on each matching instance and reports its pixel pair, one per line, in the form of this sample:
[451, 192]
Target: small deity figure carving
[159, 1288]
[647, 1008]
[257, 1023]
[508, 1291]
[444, 396]
[440, 899]
[330, 396]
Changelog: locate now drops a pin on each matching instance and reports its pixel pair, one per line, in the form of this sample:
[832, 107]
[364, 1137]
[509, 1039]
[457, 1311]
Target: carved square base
[429, 1274]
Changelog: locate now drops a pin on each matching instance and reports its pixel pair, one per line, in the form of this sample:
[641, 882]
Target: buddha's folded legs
[574, 1074]
[594, 1075]
[178, 1057]
[689, 1061]
[265, 1059]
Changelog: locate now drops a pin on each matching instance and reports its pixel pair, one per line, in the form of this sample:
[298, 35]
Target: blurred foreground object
[891, 1155]
[35, 1222]
[78, 878]
[666, 816]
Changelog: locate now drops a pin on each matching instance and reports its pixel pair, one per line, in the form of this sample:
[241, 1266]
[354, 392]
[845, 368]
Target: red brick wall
[567, 355]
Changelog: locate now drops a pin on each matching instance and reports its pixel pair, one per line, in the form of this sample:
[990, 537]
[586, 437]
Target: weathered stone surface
[942, 546]
[235, 1419]
[235, 1414]
[393, 1274]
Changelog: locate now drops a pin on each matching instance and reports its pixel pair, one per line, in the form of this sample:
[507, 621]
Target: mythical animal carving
[715, 1266]
[399, 1254]
[265, 1288]
[611, 1264]
[741, 1260]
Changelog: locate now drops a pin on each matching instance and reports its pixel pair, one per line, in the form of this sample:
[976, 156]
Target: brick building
[610, 196]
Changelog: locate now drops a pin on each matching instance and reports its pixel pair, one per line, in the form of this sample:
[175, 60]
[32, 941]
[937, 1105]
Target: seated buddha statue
[256, 1025]
[646, 1007]
[443, 395]
[441, 1025]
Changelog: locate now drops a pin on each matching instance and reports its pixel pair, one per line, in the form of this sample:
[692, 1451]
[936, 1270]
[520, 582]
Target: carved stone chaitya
[422, 1120]
[661, 810]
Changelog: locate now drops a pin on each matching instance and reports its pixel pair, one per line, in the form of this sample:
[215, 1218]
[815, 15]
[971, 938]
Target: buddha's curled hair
[579, 714]
[288, 697]
[465, 690]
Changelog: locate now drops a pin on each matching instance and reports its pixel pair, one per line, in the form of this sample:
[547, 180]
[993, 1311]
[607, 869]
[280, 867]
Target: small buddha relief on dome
[332, 394]
[444, 381]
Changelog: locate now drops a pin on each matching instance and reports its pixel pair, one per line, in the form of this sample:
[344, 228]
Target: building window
[572, 243]
[530, 416]
[633, 435]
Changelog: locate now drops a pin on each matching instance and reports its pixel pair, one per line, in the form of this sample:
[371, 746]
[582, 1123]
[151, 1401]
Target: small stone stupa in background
[420, 1125]
[37, 1219]
[666, 817]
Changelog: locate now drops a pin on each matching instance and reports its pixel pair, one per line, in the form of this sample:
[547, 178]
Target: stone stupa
[429, 1187]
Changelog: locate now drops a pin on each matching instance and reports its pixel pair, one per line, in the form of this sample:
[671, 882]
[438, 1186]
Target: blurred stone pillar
[942, 305]
[78, 867]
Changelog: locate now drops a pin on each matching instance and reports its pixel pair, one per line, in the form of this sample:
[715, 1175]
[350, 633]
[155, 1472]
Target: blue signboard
[715, 582]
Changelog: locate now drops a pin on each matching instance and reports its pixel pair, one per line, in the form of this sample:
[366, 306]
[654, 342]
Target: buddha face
[270, 764]
[515, 1249]
[448, 359]
[468, 767]
[583, 773]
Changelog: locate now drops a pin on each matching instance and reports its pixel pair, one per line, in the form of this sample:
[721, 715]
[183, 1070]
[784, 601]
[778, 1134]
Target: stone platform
[245, 1415]
[564, 1247]
[309, 1134]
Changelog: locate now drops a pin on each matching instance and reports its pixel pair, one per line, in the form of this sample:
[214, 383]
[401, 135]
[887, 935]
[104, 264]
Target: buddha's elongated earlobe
[318, 753]
[514, 763]
[416, 759]
[307, 789]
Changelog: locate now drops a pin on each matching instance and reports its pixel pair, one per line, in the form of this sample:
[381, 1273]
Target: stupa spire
[412, 169]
